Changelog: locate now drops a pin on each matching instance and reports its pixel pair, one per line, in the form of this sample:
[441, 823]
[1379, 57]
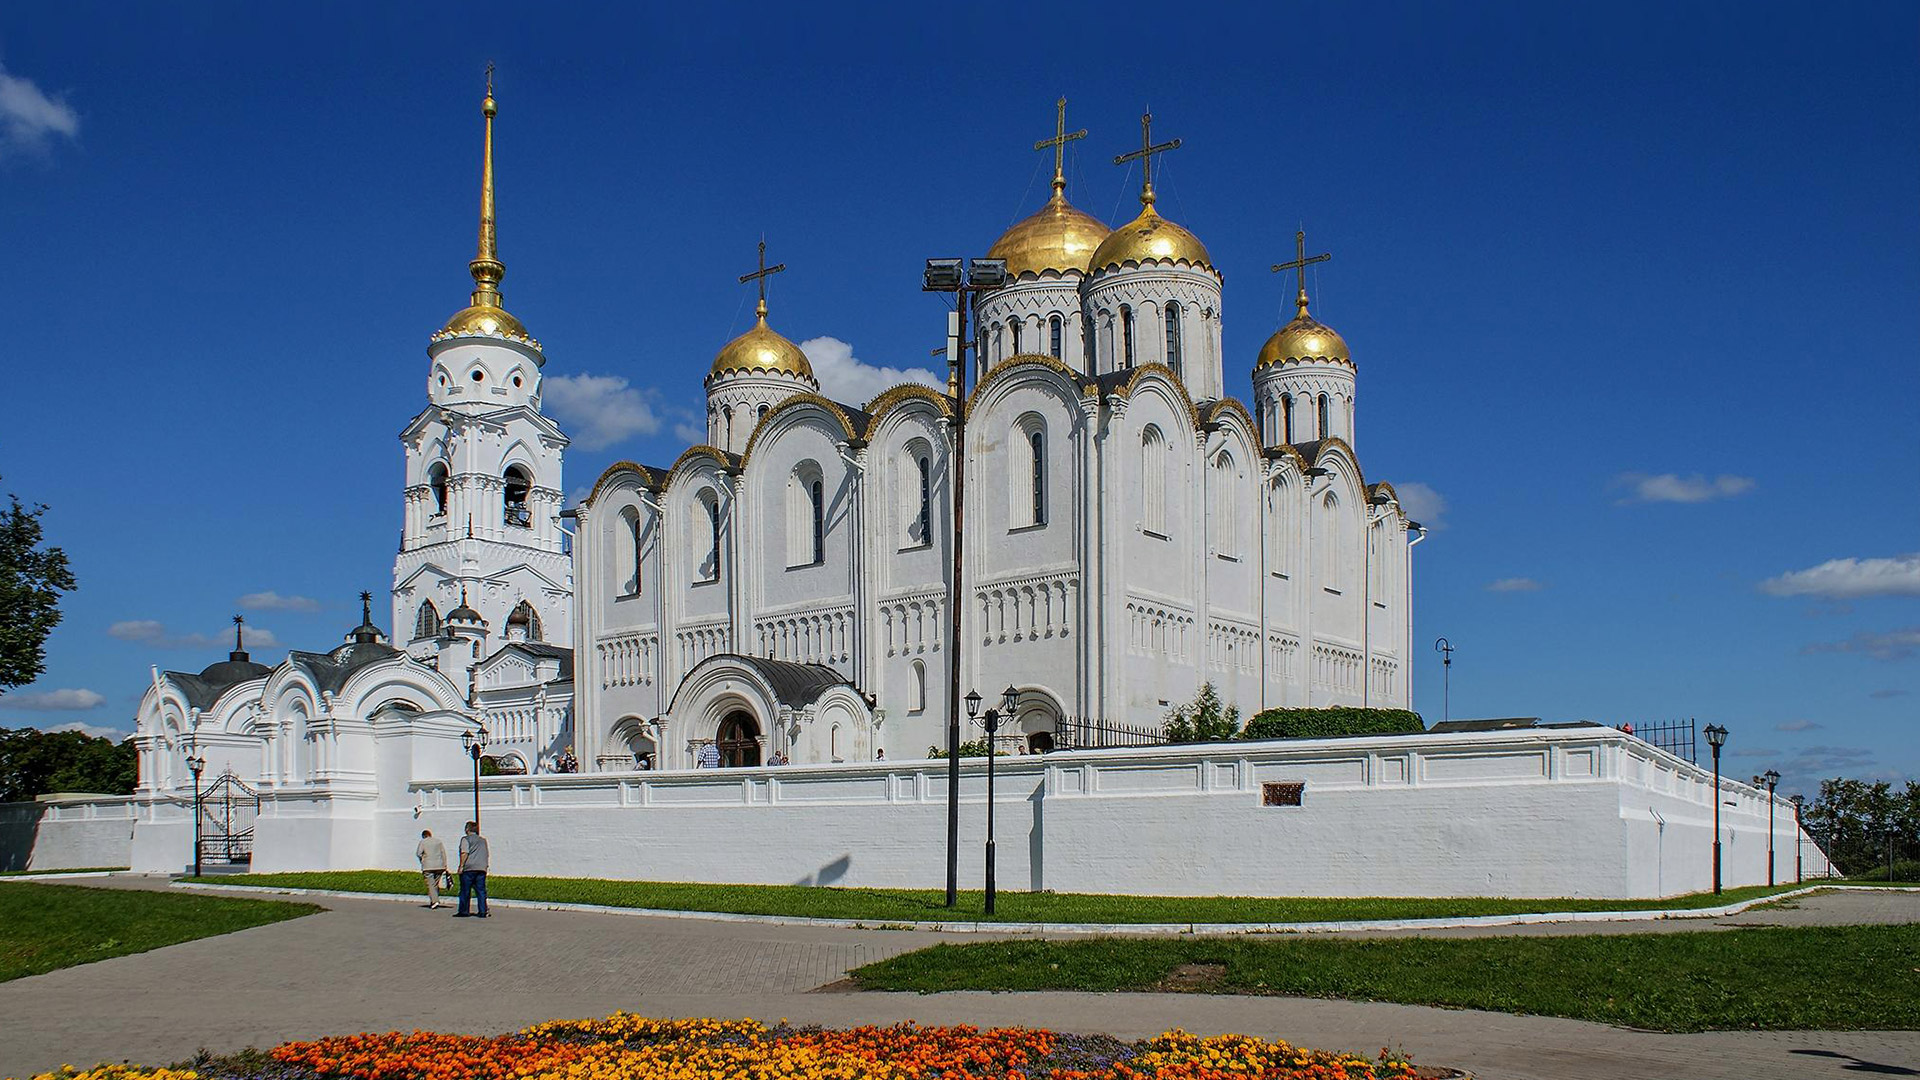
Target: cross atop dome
[760, 276]
[1299, 266]
[1144, 156]
[1061, 137]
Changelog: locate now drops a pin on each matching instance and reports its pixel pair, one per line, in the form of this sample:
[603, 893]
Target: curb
[1097, 929]
[60, 875]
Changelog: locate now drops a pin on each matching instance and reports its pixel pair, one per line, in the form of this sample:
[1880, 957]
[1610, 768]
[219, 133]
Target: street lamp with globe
[476, 744]
[197, 764]
[1716, 738]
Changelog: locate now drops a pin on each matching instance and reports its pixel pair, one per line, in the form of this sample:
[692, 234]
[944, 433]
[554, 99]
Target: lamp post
[966, 279]
[1716, 738]
[1445, 649]
[1772, 777]
[1009, 706]
[1799, 875]
[196, 763]
[476, 744]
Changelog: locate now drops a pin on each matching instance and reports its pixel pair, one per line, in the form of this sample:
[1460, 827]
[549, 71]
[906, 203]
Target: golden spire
[1059, 144]
[486, 267]
[761, 275]
[1299, 266]
[1144, 155]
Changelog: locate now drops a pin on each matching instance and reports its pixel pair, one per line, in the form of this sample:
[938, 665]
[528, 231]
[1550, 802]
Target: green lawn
[1851, 977]
[45, 927]
[881, 906]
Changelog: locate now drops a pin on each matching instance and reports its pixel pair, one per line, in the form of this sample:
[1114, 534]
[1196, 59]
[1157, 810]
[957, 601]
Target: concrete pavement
[374, 965]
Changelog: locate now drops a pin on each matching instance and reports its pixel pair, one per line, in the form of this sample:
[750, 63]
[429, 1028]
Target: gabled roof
[331, 670]
[536, 650]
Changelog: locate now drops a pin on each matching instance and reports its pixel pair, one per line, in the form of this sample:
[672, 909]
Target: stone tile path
[380, 965]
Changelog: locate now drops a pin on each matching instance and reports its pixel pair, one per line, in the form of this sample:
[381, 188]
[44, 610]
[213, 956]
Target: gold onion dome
[1150, 238]
[1060, 237]
[483, 316]
[1305, 338]
[761, 350]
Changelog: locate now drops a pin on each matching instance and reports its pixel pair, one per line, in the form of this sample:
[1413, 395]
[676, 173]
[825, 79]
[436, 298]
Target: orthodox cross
[237, 621]
[489, 78]
[1299, 266]
[1061, 137]
[366, 607]
[1144, 156]
[761, 275]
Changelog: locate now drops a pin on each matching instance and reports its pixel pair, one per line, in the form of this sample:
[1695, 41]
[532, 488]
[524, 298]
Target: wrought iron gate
[227, 811]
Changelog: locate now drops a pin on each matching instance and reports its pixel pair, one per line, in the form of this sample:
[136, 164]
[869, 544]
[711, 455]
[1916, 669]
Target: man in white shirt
[433, 864]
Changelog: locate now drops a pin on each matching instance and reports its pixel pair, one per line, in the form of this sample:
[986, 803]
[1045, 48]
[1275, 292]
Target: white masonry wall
[67, 834]
[1542, 813]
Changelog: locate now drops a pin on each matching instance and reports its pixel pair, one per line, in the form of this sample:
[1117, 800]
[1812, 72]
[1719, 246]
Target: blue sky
[1631, 291]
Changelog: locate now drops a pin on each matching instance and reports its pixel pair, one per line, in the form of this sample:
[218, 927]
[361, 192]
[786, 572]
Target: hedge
[1327, 723]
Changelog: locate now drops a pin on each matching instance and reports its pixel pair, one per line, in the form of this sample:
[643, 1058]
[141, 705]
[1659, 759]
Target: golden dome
[1150, 238]
[485, 320]
[1059, 237]
[761, 349]
[1305, 338]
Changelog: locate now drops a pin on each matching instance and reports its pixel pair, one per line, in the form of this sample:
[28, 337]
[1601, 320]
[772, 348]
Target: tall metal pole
[992, 720]
[1716, 816]
[475, 752]
[1445, 649]
[1799, 868]
[957, 366]
[196, 819]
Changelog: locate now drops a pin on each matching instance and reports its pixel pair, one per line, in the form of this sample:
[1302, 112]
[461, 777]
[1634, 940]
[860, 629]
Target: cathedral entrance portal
[739, 741]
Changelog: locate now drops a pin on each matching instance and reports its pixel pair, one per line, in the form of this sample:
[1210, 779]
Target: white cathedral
[782, 592]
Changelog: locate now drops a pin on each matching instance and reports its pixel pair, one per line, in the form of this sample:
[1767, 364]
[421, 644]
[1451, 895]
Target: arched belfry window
[1286, 419]
[1173, 336]
[1013, 334]
[1153, 481]
[1126, 336]
[524, 623]
[1056, 333]
[514, 497]
[427, 623]
[1325, 429]
[437, 483]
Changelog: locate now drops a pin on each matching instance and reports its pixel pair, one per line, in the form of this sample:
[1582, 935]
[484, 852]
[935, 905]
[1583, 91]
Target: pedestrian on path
[433, 864]
[709, 757]
[473, 872]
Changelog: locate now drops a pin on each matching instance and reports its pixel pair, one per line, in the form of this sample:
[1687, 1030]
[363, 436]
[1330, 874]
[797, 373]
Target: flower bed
[626, 1047]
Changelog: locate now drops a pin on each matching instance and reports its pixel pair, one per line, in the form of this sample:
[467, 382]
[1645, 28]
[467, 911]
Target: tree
[31, 581]
[1854, 820]
[41, 762]
[1204, 719]
[1332, 722]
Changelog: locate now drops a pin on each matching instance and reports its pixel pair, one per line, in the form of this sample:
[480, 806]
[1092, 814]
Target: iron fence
[1676, 737]
[1087, 733]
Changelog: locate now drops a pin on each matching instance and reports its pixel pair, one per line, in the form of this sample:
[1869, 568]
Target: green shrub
[1331, 722]
[1903, 870]
[1204, 719]
[976, 748]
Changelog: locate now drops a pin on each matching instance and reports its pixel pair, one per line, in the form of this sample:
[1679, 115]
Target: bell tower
[483, 471]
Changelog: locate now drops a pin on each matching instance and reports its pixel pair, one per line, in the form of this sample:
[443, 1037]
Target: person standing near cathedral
[433, 864]
[473, 872]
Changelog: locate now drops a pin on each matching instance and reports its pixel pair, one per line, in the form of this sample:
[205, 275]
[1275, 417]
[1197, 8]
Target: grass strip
[883, 906]
[1767, 978]
[46, 927]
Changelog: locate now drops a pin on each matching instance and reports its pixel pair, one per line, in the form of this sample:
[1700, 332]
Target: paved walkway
[380, 965]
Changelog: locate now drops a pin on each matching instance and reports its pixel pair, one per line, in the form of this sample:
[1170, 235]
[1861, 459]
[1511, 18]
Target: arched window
[1126, 336]
[513, 497]
[916, 496]
[1279, 527]
[437, 481]
[1327, 539]
[626, 553]
[762, 413]
[524, 623]
[1324, 428]
[427, 623]
[708, 567]
[1226, 519]
[1153, 481]
[1013, 334]
[806, 517]
[1027, 473]
[1173, 336]
[1286, 419]
[1087, 339]
[1056, 332]
[917, 690]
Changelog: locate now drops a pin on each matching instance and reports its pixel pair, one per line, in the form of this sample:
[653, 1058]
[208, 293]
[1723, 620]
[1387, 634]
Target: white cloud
[689, 432]
[273, 601]
[845, 378]
[98, 731]
[1674, 488]
[154, 634]
[1422, 504]
[599, 411]
[1849, 579]
[29, 117]
[1892, 645]
[53, 701]
[1515, 584]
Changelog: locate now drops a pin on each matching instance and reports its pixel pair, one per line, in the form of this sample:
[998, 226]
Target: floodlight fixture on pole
[1772, 778]
[966, 279]
[1716, 738]
[1445, 649]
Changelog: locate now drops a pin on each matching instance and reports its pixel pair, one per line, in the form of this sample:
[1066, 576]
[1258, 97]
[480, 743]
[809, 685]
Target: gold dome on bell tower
[484, 316]
[1060, 236]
